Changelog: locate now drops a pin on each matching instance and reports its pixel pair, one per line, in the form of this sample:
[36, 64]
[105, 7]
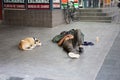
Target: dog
[29, 43]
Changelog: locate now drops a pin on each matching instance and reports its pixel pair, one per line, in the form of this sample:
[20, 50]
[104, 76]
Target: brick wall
[57, 17]
[41, 18]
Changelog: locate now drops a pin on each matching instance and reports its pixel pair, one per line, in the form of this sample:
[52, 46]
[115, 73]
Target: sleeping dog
[29, 43]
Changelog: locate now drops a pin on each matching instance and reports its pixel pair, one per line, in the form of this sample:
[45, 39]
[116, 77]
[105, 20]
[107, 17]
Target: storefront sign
[56, 4]
[0, 9]
[56, 1]
[65, 1]
[38, 1]
[14, 4]
[38, 4]
[13, 1]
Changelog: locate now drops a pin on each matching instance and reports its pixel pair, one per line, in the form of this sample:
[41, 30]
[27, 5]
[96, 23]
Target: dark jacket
[78, 36]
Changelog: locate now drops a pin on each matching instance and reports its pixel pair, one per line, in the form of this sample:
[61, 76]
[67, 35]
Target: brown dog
[29, 43]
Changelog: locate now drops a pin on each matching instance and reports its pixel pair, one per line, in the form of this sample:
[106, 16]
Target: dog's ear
[34, 38]
[37, 40]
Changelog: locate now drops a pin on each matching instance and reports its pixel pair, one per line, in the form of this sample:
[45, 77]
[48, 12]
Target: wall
[57, 17]
[40, 18]
[0, 9]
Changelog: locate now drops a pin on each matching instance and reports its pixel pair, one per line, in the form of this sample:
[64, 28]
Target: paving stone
[42, 79]
[50, 61]
[110, 69]
[15, 78]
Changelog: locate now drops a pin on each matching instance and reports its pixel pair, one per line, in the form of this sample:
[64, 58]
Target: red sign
[14, 6]
[65, 1]
[38, 6]
[75, 1]
[56, 5]
[0, 9]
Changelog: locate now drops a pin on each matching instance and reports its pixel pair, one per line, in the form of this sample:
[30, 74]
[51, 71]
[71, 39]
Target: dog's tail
[20, 45]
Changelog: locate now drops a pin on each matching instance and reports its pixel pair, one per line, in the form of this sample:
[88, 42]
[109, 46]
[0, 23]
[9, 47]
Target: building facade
[0, 9]
[38, 12]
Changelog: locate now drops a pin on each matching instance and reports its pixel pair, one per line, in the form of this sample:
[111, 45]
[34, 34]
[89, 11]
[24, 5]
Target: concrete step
[91, 14]
[89, 10]
[94, 17]
[103, 21]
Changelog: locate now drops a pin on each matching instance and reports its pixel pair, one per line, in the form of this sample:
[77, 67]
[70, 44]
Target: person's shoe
[88, 43]
[73, 55]
[81, 50]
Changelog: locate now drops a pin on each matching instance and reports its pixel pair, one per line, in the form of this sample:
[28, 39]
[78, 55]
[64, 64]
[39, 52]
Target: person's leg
[89, 3]
[96, 3]
[79, 37]
[85, 3]
[79, 40]
[68, 47]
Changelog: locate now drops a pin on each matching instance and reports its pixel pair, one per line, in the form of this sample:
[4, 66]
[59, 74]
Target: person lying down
[71, 41]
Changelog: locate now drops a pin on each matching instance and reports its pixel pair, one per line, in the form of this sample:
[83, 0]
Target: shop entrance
[90, 3]
[0, 9]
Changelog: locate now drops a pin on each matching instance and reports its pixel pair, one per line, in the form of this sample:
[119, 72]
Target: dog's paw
[28, 49]
[40, 44]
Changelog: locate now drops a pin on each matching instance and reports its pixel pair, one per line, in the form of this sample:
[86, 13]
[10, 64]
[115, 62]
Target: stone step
[89, 10]
[94, 17]
[91, 14]
[103, 21]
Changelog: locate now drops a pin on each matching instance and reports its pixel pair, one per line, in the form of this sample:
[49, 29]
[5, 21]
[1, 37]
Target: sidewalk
[50, 62]
[110, 69]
